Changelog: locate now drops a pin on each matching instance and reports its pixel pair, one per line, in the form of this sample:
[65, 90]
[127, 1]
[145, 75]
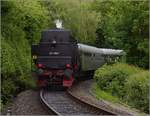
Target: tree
[77, 15]
[22, 22]
[124, 25]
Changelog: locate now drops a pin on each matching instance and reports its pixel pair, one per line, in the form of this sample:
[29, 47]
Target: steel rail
[69, 101]
[46, 105]
[105, 112]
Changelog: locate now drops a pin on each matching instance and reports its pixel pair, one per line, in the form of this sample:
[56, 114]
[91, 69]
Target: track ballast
[61, 103]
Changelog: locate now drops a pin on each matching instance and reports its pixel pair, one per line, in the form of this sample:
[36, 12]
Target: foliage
[101, 94]
[112, 78]
[77, 16]
[124, 25]
[137, 87]
[22, 22]
[128, 83]
[8, 89]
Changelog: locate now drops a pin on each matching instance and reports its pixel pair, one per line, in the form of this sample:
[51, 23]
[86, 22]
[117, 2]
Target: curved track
[63, 103]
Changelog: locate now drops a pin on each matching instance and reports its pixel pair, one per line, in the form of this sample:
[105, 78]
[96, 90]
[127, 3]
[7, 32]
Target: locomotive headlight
[34, 56]
[68, 66]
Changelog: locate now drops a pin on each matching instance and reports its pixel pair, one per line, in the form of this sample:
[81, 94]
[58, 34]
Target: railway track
[63, 103]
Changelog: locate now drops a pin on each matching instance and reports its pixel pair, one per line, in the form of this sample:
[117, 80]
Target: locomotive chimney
[58, 24]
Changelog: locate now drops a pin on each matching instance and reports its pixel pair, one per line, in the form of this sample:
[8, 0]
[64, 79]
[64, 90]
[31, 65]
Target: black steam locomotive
[60, 59]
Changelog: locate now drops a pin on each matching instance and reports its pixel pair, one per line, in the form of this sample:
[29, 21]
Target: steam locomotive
[60, 60]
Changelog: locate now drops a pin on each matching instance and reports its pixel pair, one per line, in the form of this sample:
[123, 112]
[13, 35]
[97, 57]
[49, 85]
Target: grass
[102, 95]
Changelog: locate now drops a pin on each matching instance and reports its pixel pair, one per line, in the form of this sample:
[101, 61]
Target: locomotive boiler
[60, 59]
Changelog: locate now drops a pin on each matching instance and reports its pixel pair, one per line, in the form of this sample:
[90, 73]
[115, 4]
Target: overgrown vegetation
[137, 90]
[128, 83]
[111, 24]
[124, 25]
[22, 22]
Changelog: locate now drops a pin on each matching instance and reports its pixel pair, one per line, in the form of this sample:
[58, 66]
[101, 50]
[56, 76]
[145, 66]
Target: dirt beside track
[27, 103]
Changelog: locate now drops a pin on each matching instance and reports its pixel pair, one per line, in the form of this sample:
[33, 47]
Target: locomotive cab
[55, 57]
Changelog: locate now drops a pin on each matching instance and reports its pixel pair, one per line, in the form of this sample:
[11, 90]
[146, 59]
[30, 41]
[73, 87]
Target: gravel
[27, 103]
[65, 105]
[83, 91]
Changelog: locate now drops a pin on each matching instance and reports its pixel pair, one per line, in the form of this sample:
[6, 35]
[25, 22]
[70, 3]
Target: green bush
[137, 90]
[130, 84]
[26, 81]
[8, 89]
[22, 23]
[111, 78]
